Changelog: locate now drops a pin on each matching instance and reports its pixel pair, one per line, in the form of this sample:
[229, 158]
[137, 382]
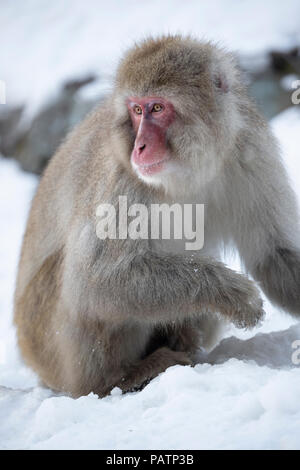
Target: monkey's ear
[220, 81]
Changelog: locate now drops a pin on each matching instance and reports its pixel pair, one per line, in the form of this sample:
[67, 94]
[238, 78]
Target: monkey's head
[176, 109]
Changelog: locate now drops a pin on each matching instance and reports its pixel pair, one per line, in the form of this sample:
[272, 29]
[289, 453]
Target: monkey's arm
[266, 230]
[127, 279]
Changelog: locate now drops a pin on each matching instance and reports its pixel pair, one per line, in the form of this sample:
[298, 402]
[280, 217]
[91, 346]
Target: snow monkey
[96, 313]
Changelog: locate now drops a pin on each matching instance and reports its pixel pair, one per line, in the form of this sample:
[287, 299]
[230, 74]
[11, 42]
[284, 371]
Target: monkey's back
[53, 210]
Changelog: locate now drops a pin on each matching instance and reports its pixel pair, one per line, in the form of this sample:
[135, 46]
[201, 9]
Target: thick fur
[94, 314]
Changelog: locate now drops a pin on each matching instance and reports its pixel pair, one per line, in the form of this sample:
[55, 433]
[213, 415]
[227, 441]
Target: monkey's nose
[141, 148]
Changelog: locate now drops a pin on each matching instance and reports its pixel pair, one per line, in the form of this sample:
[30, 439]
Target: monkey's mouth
[150, 168]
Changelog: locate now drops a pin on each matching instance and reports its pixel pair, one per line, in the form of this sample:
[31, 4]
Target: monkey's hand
[240, 300]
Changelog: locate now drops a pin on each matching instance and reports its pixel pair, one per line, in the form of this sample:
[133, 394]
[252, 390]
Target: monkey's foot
[151, 366]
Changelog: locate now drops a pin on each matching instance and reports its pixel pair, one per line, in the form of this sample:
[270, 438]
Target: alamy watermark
[295, 97]
[2, 92]
[296, 353]
[158, 221]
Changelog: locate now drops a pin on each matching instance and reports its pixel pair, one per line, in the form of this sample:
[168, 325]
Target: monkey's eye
[138, 109]
[157, 107]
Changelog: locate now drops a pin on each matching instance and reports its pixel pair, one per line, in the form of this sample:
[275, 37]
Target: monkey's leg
[196, 335]
[148, 368]
[185, 337]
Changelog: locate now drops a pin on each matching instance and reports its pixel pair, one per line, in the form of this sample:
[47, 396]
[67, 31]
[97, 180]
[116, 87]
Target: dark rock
[265, 84]
[286, 61]
[9, 122]
[37, 144]
[266, 89]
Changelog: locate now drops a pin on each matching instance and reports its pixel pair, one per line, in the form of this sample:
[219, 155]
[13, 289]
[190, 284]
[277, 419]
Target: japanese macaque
[93, 314]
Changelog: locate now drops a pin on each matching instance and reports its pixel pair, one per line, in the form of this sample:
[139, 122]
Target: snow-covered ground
[245, 396]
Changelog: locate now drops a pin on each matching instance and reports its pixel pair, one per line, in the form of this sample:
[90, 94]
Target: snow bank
[238, 405]
[44, 43]
[246, 395]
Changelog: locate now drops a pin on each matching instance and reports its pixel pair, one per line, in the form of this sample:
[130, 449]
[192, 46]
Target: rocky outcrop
[34, 146]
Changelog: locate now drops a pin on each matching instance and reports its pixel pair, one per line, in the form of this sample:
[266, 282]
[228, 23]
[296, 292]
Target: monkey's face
[172, 138]
[175, 116]
[151, 118]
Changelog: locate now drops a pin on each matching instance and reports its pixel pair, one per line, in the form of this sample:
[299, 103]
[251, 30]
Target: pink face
[151, 117]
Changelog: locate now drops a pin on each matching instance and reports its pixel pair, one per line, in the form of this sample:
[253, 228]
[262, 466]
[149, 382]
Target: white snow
[290, 82]
[245, 397]
[44, 43]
